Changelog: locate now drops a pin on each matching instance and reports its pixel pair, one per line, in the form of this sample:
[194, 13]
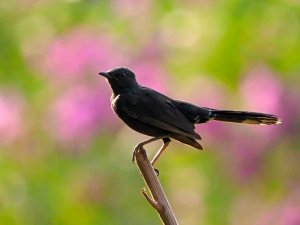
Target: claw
[156, 171]
[140, 145]
[133, 155]
[135, 151]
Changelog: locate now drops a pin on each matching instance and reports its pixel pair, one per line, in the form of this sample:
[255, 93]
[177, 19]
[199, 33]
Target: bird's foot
[136, 150]
[156, 171]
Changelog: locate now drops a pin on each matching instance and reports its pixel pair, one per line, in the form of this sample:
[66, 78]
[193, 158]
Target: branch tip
[153, 203]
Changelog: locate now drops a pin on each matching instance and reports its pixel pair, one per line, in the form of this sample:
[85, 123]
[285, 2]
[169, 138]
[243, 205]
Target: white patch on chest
[114, 101]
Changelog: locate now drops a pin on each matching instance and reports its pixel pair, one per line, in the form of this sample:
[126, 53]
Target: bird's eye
[122, 75]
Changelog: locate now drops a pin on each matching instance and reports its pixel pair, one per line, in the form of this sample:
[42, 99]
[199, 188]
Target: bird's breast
[114, 100]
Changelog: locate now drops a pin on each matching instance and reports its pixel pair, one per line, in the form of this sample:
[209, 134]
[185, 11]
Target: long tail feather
[244, 117]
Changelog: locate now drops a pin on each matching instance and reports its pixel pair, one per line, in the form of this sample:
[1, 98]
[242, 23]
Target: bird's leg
[160, 151]
[141, 145]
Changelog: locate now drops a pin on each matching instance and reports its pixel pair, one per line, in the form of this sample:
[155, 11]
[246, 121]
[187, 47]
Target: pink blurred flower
[247, 146]
[78, 114]
[211, 95]
[242, 146]
[246, 156]
[77, 53]
[132, 8]
[262, 91]
[256, 208]
[285, 213]
[290, 112]
[11, 111]
[150, 74]
[290, 215]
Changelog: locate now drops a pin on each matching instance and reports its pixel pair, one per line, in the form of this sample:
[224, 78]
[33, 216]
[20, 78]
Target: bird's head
[120, 78]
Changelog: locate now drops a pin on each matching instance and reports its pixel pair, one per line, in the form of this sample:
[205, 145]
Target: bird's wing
[158, 110]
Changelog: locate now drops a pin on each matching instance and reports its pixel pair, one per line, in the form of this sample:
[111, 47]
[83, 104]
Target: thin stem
[158, 198]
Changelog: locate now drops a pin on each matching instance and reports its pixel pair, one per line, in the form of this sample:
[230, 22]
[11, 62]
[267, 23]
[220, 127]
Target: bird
[163, 118]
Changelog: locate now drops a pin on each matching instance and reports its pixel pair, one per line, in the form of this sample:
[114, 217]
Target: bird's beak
[104, 74]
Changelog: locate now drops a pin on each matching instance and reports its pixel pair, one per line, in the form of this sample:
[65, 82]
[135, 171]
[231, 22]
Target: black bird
[152, 113]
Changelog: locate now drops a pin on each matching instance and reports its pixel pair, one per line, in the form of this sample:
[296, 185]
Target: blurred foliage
[65, 157]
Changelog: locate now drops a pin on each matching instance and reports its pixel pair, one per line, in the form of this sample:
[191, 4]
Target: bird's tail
[244, 117]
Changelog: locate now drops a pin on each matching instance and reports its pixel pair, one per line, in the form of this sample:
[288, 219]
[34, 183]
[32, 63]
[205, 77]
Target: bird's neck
[125, 89]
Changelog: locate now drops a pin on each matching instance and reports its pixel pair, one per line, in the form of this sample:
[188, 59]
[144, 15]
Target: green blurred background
[66, 159]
